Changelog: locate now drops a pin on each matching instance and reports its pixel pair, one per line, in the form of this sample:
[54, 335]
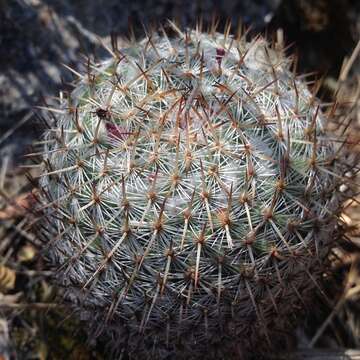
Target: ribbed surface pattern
[189, 186]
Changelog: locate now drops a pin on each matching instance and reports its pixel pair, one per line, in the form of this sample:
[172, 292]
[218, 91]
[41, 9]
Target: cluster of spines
[97, 168]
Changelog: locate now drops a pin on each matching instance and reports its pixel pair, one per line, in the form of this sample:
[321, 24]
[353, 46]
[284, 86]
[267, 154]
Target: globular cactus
[191, 193]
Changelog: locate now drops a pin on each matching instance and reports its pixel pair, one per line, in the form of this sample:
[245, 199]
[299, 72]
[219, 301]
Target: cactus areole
[190, 190]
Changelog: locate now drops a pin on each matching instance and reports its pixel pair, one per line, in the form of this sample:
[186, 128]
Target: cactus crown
[191, 185]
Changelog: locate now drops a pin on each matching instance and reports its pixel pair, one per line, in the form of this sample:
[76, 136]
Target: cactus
[191, 194]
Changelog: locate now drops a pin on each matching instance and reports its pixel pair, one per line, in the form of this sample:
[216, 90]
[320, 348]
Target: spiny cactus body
[190, 189]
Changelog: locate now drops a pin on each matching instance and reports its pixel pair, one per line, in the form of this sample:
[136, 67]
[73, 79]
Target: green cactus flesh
[190, 189]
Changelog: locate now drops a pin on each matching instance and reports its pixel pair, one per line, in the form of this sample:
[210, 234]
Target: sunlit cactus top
[190, 190]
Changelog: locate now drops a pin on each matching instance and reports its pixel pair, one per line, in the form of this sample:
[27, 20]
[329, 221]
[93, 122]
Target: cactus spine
[191, 191]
